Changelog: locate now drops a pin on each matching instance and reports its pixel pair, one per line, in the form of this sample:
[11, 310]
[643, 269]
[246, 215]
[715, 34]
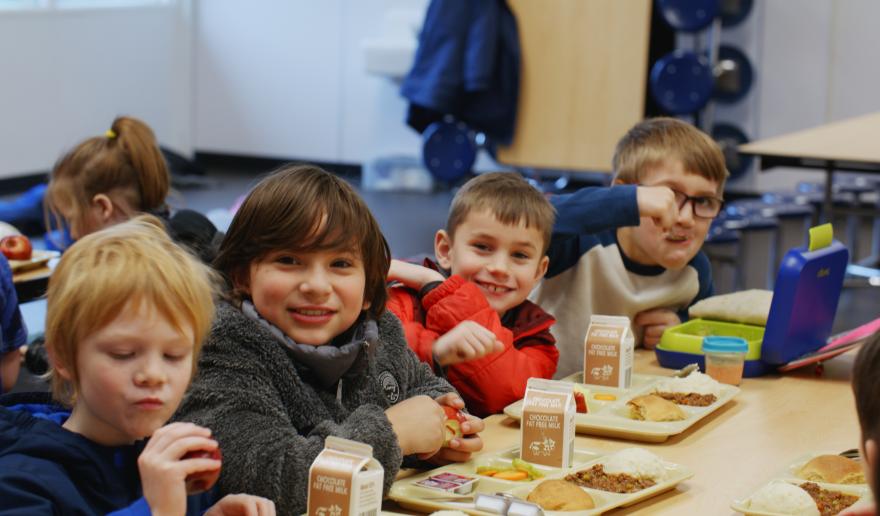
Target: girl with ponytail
[110, 178]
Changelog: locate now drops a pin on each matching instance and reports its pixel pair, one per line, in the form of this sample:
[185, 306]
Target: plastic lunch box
[682, 345]
[805, 298]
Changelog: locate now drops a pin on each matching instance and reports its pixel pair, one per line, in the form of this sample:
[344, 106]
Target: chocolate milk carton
[345, 480]
[548, 423]
[608, 352]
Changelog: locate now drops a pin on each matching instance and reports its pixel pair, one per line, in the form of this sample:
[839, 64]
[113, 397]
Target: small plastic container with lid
[725, 358]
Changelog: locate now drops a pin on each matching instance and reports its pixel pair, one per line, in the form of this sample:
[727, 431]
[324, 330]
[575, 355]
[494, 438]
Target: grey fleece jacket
[271, 419]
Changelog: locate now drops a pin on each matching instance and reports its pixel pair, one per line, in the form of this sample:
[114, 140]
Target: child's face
[79, 225]
[312, 297]
[132, 374]
[672, 249]
[504, 261]
[101, 213]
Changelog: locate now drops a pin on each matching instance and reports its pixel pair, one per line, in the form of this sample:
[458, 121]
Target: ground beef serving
[596, 478]
[691, 399]
[829, 502]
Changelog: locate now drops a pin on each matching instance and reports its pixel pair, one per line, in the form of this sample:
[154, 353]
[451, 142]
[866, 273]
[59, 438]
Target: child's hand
[412, 275]
[163, 474]
[460, 449]
[654, 322]
[657, 202]
[469, 340]
[242, 505]
[419, 423]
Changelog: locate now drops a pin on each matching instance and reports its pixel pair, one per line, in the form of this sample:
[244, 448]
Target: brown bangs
[303, 208]
[653, 141]
[509, 198]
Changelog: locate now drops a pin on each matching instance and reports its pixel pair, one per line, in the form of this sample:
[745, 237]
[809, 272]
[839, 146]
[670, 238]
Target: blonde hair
[134, 261]
[125, 161]
[509, 197]
[656, 140]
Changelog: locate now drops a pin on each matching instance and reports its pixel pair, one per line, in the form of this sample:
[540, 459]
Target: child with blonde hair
[634, 249]
[126, 314]
[110, 178]
[468, 314]
[304, 348]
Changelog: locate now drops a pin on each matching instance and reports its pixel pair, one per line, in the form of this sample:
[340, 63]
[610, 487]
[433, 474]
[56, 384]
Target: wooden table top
[774, 420]
[850, 140]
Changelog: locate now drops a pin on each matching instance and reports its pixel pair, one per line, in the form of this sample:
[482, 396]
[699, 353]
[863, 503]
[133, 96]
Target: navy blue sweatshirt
[46, 469]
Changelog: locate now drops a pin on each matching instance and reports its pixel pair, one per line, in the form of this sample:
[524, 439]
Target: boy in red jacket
[476, 324]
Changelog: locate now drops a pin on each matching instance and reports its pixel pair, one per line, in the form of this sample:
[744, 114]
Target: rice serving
[635, 462]
[785, 498]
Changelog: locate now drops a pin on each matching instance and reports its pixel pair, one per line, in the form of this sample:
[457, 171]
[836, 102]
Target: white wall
[67, 73]
[855, 59]
[286, 78]
[816, 61]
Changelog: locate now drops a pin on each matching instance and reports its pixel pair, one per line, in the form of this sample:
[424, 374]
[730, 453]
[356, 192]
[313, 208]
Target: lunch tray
[611, 418]
[413, 497]
[790, 474]
[860, 490]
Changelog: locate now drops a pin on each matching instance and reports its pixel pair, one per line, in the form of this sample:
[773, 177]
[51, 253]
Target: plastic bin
[795, 214]
[758, 244]
[722, 249]
[396, 173]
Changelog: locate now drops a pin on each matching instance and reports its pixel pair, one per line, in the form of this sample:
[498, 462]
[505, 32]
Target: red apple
[16, 247]
[580, 402]
[202, 480]
[454, 419]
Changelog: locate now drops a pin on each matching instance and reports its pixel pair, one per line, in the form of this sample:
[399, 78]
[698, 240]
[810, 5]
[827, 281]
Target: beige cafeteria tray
[743, 505]
[413, 497]
[791, 474]
[611, 418]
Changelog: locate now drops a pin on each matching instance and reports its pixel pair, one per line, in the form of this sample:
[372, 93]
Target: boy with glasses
[634, 249]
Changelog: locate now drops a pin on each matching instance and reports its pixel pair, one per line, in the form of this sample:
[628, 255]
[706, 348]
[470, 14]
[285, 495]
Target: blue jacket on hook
[467, 65]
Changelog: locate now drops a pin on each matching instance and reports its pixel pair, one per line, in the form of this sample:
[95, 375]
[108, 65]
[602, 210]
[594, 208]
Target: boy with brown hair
[302, 347]
[634, 249]
[477, 323]
[126, 314]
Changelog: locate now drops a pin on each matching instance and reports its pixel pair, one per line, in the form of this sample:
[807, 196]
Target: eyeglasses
[703, 206]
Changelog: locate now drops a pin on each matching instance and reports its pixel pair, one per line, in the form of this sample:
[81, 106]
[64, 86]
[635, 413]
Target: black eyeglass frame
[698, 203]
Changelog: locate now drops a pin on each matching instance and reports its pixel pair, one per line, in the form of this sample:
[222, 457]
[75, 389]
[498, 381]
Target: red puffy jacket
[490, 383]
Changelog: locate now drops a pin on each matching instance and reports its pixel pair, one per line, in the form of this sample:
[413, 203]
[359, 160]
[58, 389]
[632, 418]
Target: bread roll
[560, 495]
[833, 469]
[651, 407]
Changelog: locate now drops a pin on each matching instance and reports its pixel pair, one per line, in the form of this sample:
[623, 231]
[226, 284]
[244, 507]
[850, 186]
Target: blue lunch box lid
[722, 344]
[805, 299]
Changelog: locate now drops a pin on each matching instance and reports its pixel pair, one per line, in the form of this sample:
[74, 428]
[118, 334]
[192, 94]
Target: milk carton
[548, 423]
[345, 479]
[608, 352]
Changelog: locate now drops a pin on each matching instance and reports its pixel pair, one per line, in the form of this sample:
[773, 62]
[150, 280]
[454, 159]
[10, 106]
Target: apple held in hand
[16, 247]
[454, 419]
[202, 480]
